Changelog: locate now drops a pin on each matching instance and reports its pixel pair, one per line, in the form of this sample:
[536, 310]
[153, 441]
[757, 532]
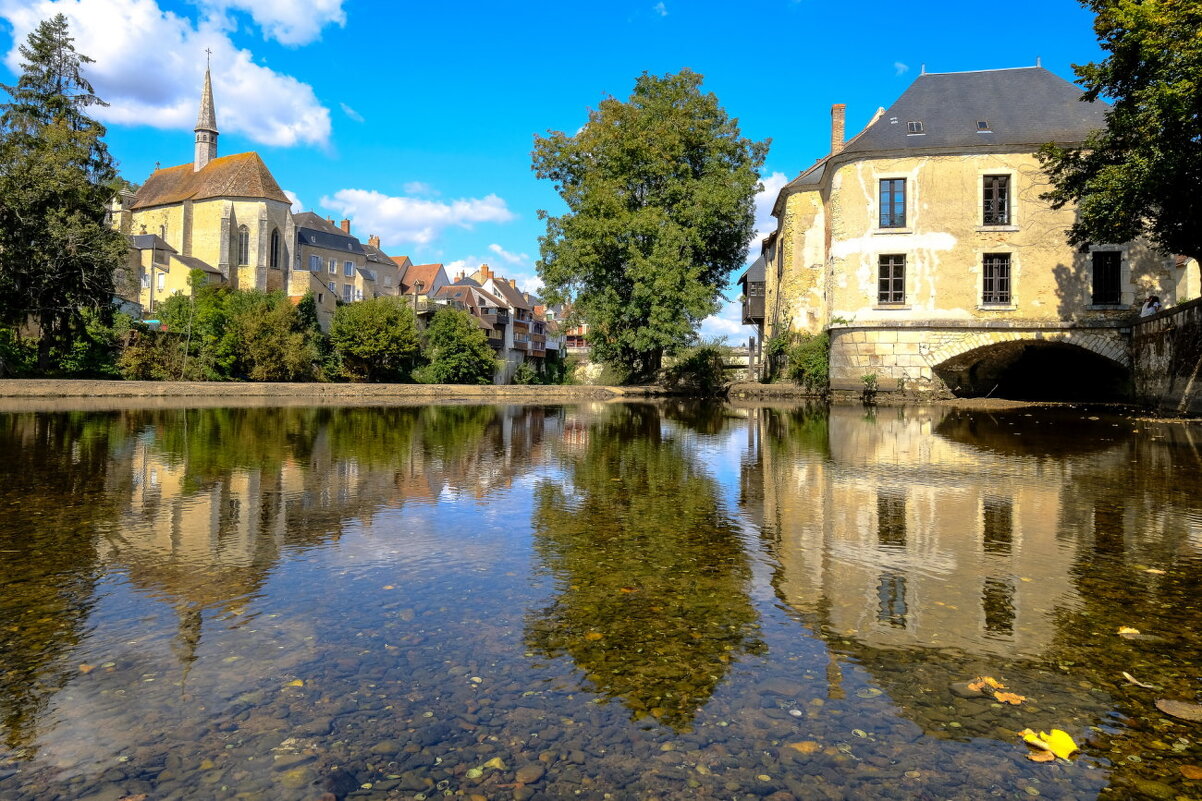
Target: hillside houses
[228, 218]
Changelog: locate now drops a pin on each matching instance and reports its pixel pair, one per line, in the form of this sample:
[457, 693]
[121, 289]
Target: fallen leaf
[1057, 742]
[389, 587]
[593, 635]
[86, 668]
[1136, 681]
[1191, 772]
[981, 682]
[1154, 571]
[806, 747]
[1010, 698]
[1041, 756]
[296, 683]
[1181, 709]
[1127, 630]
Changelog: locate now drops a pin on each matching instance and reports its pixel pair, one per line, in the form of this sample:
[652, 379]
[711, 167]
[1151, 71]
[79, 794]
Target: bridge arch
[1034, 365]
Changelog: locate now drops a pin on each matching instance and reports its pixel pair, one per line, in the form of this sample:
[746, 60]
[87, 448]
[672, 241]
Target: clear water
[595, 601]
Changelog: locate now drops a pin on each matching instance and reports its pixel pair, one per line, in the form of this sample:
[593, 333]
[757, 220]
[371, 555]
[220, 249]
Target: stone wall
[1166, 359]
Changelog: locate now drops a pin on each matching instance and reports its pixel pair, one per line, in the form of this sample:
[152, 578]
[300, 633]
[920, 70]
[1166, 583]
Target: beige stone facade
[925, 238]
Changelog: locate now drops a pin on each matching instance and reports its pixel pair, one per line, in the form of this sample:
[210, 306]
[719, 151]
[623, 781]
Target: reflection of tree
[652, 600]
[797, 431]
[53, 492]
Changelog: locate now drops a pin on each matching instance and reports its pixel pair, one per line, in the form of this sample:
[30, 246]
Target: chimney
[485, 273]
[346, 226]
[513, 283]
[374, 241]
[837, 113]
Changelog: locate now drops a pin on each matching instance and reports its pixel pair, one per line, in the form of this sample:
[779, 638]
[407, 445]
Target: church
[226, 215]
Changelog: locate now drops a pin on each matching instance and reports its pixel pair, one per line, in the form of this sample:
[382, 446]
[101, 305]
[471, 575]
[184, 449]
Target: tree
[1139, 176]
[457, 351]
[660, 193]
[57, 256]
[376, 339]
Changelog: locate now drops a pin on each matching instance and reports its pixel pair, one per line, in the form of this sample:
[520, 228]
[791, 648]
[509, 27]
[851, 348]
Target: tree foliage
[57, 256]
[659, 191]
[1139, 176]
[457, 351]
[376, 339]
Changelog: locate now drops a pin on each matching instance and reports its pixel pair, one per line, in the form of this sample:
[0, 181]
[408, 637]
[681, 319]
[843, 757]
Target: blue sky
[417, 120]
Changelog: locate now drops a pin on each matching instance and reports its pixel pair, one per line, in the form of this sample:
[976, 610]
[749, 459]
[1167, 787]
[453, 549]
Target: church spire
[206, 126]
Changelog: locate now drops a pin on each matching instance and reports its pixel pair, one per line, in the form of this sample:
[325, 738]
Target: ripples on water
[624, 601]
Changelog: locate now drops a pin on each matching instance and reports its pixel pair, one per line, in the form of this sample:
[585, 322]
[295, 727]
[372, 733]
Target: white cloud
[727, 325]
[509, 258]
[901, 68]
[661, 9]
[765, 223]
[419, 188]
[415, 220]
[350, 112]
[150, 69]
[286, 21]
[297, 206]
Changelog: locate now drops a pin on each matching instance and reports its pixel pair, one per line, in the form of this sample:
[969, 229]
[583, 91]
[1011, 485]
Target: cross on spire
[208, 58]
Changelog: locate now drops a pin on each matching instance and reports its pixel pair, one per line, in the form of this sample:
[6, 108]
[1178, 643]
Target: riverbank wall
[1166, 357]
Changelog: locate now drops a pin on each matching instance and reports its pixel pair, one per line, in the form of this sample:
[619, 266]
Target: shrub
[698, 371]
[457, 351]
[808, 362]
[376, 340]
[526, 374]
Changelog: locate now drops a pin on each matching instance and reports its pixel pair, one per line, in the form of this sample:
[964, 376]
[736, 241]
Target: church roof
[241, 175]
[1024, 106]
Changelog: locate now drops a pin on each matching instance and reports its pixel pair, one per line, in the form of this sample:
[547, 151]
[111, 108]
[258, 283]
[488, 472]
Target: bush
[457, 351]
[17, 356]
[698, 371]
[153, 356]
[376, 340]
[526, 374]
[808, 361]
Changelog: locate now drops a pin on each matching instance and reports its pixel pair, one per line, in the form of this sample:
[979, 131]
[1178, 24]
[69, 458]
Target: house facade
[924, 247]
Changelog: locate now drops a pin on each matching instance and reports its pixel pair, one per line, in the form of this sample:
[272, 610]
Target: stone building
[924, 246]
[225, 211]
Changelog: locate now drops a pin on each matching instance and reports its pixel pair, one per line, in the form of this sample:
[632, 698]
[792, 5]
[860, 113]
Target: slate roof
[239, 175]
[1024, 106]
[375, 254]
[193, 263]
[511, 295]
[319, 232]
[754, 273]
[148, 242]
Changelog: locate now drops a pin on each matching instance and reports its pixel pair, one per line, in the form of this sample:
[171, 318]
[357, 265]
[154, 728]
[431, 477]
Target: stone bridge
[976, 357]
[1166, 351]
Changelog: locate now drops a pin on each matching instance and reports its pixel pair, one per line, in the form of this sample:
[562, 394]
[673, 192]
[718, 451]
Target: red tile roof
[239, 175]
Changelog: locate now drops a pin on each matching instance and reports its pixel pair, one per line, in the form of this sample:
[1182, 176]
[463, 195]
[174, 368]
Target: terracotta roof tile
[239, 175]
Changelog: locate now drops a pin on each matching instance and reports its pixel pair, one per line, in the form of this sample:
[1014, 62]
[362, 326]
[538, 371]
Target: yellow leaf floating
[1041, 756]
[593, 635]
[1010, 698]
[981, 682]
[1058, 742]
[296, 683]
[1127, 630]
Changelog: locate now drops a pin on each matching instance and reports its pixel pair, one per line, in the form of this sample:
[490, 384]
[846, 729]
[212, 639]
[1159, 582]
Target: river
[601, 600]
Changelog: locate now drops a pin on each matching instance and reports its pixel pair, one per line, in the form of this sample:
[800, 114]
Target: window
[162, 282]
[891, 519]
[914, 127]
[243, 245]
[330, 285]
[995, 283]
[146, 280]
[996, 200]
[983, 126]
[891, 287]
[358, 294]
[315, 264]
[893, 203]
[1107, 286]
[348, 269]
[273, 255]
[346, 292]
[333, 267]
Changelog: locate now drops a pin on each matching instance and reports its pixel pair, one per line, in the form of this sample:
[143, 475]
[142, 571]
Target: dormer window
[914, 127]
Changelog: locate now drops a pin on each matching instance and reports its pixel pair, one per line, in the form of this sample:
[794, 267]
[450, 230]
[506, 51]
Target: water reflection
[651, 599]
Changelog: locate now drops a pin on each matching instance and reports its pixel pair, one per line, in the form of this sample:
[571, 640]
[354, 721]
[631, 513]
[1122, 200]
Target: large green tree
[376, 339]
[1139, 176]
[457, 351]
[57, 256]
[659, 192]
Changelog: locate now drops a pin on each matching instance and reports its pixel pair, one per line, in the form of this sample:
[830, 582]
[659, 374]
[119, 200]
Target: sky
[416, 120]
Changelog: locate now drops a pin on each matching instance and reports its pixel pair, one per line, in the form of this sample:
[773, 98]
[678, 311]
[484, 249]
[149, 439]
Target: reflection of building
[897, 539]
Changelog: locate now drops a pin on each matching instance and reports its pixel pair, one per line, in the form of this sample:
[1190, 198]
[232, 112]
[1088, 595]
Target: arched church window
[243, 245]
[273, 259]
